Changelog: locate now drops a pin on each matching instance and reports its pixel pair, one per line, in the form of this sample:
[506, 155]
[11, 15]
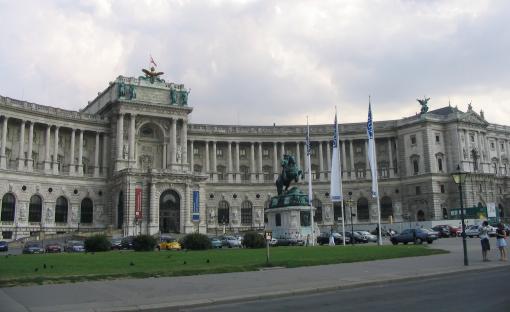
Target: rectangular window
[502, 147]
[440, 164]
[438, 139]
[195, 151]
[416, 166]
[242, 153]
[219, 153]
[7, 234]
[472, 138]
[493, 146]
[442, 188]
[265, 153]
[413, 139]
[358, 150]
[418, 190]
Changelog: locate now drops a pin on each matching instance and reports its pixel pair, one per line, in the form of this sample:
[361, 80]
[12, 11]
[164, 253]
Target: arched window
[420, 216]
[61, 209]
[362, 207]
[223, 212]
[35, 209]
[87, 210]
[197, 168]
[8, 205]
[317, 204]
[386, 207]
[246, 212]
[245, 173]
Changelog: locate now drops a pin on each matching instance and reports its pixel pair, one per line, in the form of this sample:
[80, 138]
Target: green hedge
[97, 243]
[144, 243]
[195, 241]
[254, 240]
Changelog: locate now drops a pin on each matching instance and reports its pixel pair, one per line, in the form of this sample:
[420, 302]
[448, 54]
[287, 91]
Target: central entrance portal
[169, 212]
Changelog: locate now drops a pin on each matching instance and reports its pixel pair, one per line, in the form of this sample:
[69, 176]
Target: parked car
[230, 241]
[443, 231]
[472, 231]
[417, 236]
[169, 243]
[370, 237]
[127, 242]
[33, 248]
[273, 242]
[323, 238]
[216, 242]
[53, 248]
[356, 237]
[74, 246]
[116, 243]
[4, 246]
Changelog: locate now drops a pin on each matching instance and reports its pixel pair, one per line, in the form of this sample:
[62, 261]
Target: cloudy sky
[264, 62]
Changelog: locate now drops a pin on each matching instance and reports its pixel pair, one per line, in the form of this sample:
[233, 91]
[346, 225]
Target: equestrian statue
[290, 171]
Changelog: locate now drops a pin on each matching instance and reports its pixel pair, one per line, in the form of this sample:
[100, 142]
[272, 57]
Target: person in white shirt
[484, 239]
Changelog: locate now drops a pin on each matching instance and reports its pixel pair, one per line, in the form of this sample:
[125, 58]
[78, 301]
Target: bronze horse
[290, 171]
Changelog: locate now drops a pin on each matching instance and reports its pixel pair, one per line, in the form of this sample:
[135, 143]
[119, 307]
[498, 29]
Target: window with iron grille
[246, 212]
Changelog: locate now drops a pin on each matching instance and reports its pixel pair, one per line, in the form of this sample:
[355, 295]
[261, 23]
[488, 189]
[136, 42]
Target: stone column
[344, 160]
[191, 156]
[207, 168]
[80, 153]
[72, 166]
[30, 160]
[3, 158]
[275, 159]
[47, 160]
[390, 153]
[120, 136]
[165, 154]
[261, 175]
[173, 143]
[153, 215]
[498, 151]
[298, 155]
[184, 143]
[55, 151]
[252, 163]
[351, 154]
[229, 159]
[282, 150]
[21, 153]
[131, 137]
[215, 164]
[321, 162]
[96, 156]
[367, 161]
[238, 178]
[328, 157]
[105, 155]
[396, 158]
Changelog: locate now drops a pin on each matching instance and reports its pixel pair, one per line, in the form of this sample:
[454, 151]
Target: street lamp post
[459, 177]
[350, 211]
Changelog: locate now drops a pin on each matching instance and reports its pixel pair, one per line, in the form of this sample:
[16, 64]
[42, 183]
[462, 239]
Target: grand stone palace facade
[130, 161]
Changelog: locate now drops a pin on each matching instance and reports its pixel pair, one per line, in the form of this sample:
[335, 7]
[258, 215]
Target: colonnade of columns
[25, 161]
[256, 162]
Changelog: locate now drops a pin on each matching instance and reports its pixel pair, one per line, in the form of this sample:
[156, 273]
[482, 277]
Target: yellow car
[169, 243]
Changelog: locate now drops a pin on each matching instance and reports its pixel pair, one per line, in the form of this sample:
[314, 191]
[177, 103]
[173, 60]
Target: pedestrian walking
[501, 242]
[484, 239]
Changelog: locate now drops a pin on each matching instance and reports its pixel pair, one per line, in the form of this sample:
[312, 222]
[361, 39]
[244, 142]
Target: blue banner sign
[196, 207]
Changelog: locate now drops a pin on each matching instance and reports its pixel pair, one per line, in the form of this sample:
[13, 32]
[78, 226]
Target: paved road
[473, 291]
[154, 293]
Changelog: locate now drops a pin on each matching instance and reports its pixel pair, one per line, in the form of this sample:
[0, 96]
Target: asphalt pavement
[204, 290]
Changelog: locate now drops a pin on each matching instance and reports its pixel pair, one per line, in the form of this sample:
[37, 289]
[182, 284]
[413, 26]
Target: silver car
[230, 241]
[369, 237]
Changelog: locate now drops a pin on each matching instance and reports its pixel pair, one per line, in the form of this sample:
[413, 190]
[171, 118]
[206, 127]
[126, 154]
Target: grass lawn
[68, 267]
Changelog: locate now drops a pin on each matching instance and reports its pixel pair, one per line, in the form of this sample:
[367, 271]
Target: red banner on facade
[138, 203]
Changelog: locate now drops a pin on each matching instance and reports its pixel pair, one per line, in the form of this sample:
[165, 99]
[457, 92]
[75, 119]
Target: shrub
[97, 242]
[254, 240]
[144, 243]
[195, 241]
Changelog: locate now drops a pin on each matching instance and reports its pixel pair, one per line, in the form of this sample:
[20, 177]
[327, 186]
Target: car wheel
[418, 241]
[394, 243]
[405, 243]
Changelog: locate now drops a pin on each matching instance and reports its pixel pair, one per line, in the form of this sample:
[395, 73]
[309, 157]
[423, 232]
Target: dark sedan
[4, 246]
[53, 248]
[323, 239]
[417, 236]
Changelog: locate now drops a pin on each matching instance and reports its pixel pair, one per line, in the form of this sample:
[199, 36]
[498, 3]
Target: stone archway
[169, 212]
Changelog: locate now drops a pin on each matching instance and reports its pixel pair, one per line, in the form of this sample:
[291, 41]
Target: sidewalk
[153, 293]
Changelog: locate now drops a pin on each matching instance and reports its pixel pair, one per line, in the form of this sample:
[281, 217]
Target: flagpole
[372, 155]
[336, 176]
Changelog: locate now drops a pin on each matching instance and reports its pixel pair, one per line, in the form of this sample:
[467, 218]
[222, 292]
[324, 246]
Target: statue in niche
[423, 102]
[49, 214]
[173, 96]
[184, 97]
[131, 92]
[125, 151]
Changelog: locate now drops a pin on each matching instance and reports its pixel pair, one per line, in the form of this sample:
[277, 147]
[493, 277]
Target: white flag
[308, 153]
[336, 180]
[371, 152]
